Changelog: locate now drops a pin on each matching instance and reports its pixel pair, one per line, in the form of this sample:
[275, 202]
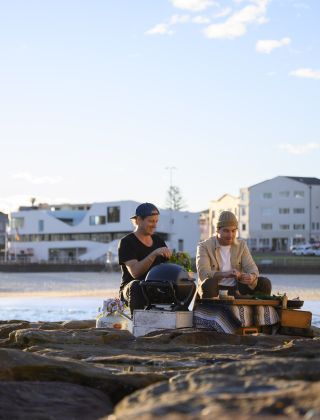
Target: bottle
[284, 301]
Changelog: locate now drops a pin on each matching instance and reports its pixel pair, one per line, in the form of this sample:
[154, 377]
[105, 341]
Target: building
[280, 212]
[90, 232]
[226, 202]
[3, 234]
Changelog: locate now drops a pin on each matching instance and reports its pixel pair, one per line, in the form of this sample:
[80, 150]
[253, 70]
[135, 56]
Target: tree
[174, 199]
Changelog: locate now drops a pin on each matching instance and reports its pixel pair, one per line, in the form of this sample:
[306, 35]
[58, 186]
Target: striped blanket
[228, 318]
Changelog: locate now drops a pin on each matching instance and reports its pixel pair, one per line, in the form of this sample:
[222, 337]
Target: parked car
[304, 250]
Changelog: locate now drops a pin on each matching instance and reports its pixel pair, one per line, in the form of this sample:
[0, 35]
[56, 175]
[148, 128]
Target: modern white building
[90, 232]
[280, 212]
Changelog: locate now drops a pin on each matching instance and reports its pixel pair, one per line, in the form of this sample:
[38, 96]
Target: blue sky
[99, 97]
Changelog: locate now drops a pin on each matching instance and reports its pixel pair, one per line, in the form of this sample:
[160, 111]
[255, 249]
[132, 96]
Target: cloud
[192, 5]
[223, 13]
[307, 73]
[160, 29]
[266, 46]
[37, 180]
[236, 25]
[299, 149]
[200, 20]
[165, 28]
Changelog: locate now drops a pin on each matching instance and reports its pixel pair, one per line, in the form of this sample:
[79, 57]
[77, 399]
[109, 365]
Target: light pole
[170, 169]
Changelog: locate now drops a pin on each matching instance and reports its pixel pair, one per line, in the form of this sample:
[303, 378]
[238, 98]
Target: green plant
[181, 258]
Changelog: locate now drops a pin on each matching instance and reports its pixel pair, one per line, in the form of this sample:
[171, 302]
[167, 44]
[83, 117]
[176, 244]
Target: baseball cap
[145, 209]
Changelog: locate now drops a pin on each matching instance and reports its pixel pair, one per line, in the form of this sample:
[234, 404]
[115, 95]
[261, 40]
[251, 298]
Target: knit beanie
[226, 219]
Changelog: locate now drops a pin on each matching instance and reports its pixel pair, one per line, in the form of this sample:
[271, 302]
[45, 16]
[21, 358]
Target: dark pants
[133, 296]
[210, 288]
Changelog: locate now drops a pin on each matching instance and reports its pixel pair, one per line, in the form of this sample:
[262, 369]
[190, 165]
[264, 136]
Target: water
[77, 296]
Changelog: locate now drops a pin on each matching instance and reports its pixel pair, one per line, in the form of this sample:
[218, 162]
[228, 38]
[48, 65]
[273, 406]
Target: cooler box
[145, 321]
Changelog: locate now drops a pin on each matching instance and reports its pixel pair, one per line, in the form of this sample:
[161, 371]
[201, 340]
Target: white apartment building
[226, 202]
[280, 212]
[90, 232]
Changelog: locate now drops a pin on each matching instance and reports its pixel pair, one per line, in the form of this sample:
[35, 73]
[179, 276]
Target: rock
[6, 329]
[77, 325]
[22, 366]
[101, 336]
[51, 400]
[169, 374]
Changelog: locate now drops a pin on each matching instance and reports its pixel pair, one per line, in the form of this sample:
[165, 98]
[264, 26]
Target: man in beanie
[138, 253]
[224, 262]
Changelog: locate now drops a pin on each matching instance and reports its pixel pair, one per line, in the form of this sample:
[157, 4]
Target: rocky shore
[71, 370]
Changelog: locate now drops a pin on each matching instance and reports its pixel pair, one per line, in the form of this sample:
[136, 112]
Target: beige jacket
[208, 259]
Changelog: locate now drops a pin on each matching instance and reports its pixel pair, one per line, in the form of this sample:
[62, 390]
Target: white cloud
[236, 25]
[37, 179]
[266, 46]
[192, 5]
[223, 13]
[160, 29]
[165, 28]
[299, 149]
[200, 20]
[175, 19]
[307, 73]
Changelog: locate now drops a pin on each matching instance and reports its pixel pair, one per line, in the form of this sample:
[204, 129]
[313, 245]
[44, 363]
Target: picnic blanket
[228, 318]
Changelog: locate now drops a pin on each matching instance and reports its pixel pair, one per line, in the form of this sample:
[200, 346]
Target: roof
[305, 180]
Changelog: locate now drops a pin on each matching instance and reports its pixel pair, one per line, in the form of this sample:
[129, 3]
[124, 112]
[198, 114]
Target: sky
[104, 100]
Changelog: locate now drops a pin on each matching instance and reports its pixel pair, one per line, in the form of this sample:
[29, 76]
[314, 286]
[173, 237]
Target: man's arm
[250, 273]
[138, 268]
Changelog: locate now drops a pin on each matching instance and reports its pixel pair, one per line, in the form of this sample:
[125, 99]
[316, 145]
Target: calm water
[81, 294]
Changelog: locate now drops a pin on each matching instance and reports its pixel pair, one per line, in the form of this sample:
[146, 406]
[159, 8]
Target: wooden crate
[295, 318]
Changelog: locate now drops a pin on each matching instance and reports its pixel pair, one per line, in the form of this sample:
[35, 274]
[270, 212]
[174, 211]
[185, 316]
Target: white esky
[99, 97]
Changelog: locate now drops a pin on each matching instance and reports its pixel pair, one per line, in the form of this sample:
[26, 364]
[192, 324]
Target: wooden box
[295, 318]
[145, 321]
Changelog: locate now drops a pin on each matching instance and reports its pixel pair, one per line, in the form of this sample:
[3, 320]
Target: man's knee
[133, 294]
[264, 285]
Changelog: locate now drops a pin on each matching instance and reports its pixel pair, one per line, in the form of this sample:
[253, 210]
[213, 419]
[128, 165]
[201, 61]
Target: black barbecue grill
[168, 284]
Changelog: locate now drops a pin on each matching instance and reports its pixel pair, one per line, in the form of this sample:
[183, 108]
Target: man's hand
[162, 252]
[246, 278]
[235, 274]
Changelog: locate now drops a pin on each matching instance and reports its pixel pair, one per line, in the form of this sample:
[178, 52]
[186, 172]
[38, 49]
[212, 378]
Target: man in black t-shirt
[138, 253]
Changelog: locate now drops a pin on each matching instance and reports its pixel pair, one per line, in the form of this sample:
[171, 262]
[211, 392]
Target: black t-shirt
[130, 248]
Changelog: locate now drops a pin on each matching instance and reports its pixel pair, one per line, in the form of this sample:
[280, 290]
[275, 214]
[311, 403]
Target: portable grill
[168, 284]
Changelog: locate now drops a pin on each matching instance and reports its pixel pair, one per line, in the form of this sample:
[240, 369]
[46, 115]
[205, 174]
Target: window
[180, 245]
[284, 194]
[243, 211]
[267, 195]
[298, 227]
[266, 211]
[284, 227]
[284, 210]
[264, 241]
[17, 222]
[40, 225]
[97, 220]
[113, 214]
[298, 194]
[266, 226]
[298, 211]
[244, 226]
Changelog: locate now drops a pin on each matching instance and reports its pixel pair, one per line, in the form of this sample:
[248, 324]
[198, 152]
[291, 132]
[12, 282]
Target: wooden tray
[251, 302]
